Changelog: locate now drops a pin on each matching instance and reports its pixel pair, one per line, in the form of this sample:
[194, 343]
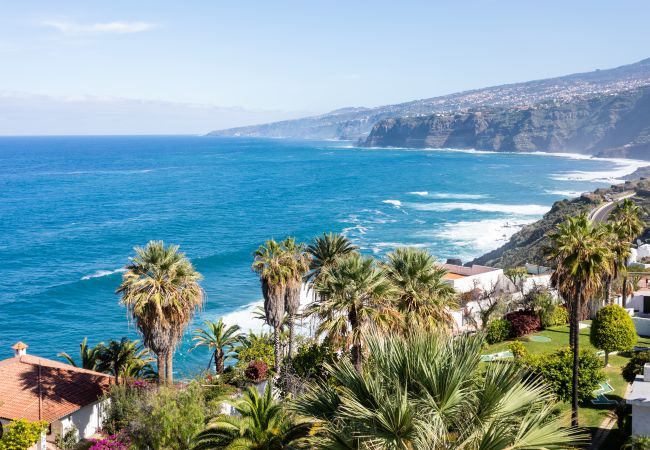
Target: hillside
[355, 123]
[613, 125]
[528, 244]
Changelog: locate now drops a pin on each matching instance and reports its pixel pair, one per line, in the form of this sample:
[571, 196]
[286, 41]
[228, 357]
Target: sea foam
[526, 210]
[103, 273]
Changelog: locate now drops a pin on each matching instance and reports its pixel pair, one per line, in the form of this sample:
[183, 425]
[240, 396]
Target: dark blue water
[72, 208]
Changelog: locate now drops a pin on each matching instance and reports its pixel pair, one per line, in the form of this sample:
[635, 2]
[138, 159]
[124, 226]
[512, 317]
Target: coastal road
[601, 213]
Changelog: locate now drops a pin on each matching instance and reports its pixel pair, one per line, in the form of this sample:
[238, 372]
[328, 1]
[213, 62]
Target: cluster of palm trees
[353, 294]
[420, 390]
[123, 359]
[587, 257]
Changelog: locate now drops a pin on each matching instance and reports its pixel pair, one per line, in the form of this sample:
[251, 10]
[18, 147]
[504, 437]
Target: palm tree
[121, 358]
[161, 290]
[422, 295]
[220, 339]
[325, 251]
[628, 224]
[298, 261]
[261, 423]
[270, 263]
[429, 391]
[357, 296]
[87, 355]
[581, 256]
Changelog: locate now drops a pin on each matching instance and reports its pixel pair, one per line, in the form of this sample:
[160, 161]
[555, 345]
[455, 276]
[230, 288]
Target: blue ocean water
[72, 209]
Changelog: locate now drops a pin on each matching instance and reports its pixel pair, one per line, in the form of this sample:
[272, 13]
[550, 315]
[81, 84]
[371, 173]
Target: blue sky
[121, 60]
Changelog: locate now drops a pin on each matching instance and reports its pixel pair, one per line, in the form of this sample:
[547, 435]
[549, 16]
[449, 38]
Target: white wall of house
[87, 420]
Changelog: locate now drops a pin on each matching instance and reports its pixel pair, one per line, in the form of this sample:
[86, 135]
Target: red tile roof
[36, 388]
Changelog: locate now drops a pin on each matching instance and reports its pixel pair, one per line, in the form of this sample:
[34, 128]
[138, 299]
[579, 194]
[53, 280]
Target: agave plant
[428, 391]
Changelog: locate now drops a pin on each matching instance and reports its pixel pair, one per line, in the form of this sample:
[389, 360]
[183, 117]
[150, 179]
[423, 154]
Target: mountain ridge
[352, 123]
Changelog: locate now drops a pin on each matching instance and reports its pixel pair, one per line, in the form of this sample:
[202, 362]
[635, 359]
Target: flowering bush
[119, 441]
[256, 371]
[523, 322]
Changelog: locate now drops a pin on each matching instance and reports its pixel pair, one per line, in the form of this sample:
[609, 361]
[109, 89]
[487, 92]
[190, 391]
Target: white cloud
[117, 27]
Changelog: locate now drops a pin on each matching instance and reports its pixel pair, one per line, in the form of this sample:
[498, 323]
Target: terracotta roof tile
[63, 388]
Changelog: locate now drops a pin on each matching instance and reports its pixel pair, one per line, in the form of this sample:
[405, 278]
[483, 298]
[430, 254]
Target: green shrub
[613, 330]
[560, 316]
[557, 371]
[518, 350]
[68, 440]
[157, 417]
[637, 443]
[310, 359]
[258, 350]
[21, 434]
[634, 367]
[498, 330]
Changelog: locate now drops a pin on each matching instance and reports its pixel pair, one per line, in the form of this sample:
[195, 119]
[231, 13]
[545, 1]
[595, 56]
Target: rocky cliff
[603, 125]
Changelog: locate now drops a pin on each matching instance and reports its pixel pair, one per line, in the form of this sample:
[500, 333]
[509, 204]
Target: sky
[152, 67]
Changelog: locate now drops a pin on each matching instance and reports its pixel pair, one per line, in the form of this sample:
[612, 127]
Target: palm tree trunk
[356, 357]
[276, 349]
[356, 346]
[608, 289]
[218, 361]
[624, 290]
[576, 359]
[291, 327]
[606, 359]
[169, 364]
[161, 367]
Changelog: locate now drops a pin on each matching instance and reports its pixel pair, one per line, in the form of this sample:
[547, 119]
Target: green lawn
[591, 416]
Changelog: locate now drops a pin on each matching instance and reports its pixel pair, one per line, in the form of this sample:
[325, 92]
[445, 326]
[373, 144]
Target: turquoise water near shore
[72, 208]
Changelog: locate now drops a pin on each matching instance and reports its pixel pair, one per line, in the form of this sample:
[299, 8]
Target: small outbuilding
[35, 388]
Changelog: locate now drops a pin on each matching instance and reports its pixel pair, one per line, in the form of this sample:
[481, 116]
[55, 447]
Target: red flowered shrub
[256, 371]
[118, 441]
[523, 323]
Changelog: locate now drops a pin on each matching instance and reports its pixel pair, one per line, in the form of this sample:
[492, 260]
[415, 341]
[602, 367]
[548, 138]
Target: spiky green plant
[261, 423]
[162, 292]
[429, 391]
[122, 358]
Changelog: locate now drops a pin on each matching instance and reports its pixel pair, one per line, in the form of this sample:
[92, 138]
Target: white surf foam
[395, 203]
[245, 316]
[527, 210]
[568, 194]
[481, 236]
[448, 195]
[621, 168]
[103, 273]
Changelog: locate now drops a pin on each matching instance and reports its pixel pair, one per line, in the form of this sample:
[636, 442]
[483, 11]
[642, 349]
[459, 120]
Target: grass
[591, 416]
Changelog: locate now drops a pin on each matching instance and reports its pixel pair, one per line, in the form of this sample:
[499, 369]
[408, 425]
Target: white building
[35, 388]
[479, 279]
[639, 398]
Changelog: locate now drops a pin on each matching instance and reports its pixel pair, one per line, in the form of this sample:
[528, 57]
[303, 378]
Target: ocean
[73, 208]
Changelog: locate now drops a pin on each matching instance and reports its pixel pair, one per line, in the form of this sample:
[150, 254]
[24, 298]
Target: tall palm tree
[581, 256]
[87, 355]
[298, 261]
[270, 263]
[221, 340]
[422, 295]
[161, 290]
[357, 296]
[121, 357]
[429, 391]
[261, 423]
[628, 224]
[325, 251]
